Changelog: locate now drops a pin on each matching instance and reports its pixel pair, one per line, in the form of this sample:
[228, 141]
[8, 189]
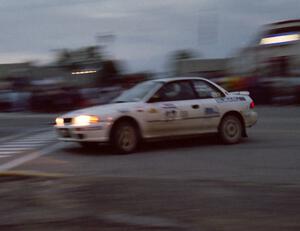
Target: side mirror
[155, 98]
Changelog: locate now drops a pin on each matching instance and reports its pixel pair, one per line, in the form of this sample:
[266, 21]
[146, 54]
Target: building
[269, 67]
[24, 75]
[274, 53]
[11, 69]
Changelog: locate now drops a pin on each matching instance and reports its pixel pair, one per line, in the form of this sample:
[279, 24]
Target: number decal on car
[184, 114]
[170, 115]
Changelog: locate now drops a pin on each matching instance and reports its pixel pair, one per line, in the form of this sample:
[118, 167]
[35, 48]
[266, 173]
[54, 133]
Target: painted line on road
[24, 135]
[31, 156]
[16, 144]
[3, 156]
[33, 141]
[8, 152]
[4, 149]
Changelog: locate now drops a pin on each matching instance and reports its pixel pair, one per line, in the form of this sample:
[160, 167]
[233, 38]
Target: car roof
[166, 80]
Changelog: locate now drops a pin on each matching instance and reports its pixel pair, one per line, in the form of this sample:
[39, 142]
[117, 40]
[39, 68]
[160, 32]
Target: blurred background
[61, 55]
[70, 54]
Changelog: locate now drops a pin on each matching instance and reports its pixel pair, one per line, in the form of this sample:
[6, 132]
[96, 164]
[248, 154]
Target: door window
[206, 90]
[174, 91]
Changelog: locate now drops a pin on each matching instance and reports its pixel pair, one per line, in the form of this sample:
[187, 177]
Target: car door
[172, 109]
[210, 110]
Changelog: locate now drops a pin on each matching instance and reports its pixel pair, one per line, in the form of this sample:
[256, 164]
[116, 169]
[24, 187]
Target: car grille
[67, 120]
[65, 133]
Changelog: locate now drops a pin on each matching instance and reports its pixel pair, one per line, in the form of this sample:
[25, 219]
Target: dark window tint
[206, 90]
[181, 90]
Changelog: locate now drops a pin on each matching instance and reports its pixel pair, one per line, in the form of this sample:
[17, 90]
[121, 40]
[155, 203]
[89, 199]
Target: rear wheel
[231, 129]
[125, 138]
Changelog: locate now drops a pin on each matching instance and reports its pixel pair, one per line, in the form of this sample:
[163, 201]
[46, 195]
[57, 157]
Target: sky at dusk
[145, 31]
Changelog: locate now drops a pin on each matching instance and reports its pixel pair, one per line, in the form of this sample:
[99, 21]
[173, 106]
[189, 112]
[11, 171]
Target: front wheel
[125, 138]
[231, 129]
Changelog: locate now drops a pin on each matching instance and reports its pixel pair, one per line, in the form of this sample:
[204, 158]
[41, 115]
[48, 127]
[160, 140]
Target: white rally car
[161, 108]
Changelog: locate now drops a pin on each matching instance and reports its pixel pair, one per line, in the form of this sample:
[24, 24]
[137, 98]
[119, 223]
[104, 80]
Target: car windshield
[137, 93]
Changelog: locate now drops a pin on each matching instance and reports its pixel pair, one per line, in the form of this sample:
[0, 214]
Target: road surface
[190, 184]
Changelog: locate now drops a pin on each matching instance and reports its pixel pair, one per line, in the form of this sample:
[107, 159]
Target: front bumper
[91, 133]
[250, 118]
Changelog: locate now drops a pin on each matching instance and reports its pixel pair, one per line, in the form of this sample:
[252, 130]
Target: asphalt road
[271, 154]
[190, 184]
[16, 124]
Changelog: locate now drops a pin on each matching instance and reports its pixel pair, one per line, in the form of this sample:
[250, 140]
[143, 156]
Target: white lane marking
[38, 138]
[6, 153]
[4, 156]
[23, 135]
[31, 140]
[34, 141]
[42, 137]
[29, 157]
[26, 144]
[17, 145]
[21, 144]
[15, 149]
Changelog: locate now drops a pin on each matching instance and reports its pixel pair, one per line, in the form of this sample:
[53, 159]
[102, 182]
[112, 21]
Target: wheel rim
[126, 138]
[232, 129]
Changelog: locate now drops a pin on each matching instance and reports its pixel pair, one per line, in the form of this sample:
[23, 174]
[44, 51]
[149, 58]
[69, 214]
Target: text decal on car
[230, 99]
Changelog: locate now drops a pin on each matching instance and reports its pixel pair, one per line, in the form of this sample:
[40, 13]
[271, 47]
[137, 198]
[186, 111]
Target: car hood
[107, 109]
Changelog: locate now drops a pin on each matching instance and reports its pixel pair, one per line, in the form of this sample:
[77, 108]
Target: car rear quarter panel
[240, 104]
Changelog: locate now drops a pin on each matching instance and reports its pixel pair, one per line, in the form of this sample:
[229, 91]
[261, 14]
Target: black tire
[125, 138]
[231, 129]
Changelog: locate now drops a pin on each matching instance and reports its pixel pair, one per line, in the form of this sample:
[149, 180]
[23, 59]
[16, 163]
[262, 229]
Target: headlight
[84, 120]
[59, 121]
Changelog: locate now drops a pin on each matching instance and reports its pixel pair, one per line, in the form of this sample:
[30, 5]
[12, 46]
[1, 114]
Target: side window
[206, 90]
[181, 90]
